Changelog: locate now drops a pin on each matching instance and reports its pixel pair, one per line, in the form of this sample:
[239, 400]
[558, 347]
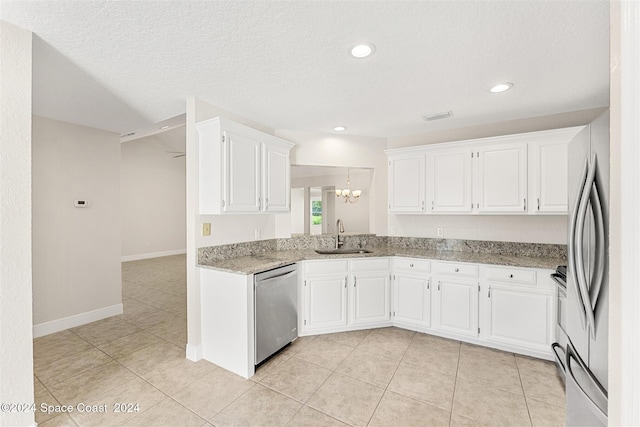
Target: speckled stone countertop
[254, 257]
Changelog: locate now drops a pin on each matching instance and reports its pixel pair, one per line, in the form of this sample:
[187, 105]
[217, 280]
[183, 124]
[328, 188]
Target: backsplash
[262, 247]
[481, 246]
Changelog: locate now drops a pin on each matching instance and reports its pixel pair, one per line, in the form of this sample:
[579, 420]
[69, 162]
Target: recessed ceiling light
[340, 128]
[362, 50]
[501, 87]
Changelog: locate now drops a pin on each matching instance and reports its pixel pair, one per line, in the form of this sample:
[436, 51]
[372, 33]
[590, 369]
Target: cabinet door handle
[423, 205]
[438, 284]
[538, 204]
[410, 265]
[266, 203]
[489, 293]
[259, 204]
[457, 269]
[511, 276]
[346, 279]
[428, 283]
[355, 279]
[525, 204]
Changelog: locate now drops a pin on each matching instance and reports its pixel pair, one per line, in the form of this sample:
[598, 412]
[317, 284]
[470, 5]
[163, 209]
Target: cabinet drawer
[412, 264]
[512, 275]
[370, 264]
[455, 269]
[323, 268]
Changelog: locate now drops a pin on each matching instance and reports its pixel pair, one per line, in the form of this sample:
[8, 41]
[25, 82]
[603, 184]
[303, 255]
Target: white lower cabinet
[346, 294]
[370, 298]
[520, 313]
[412, 293]
[326, 299]
[509, 308]
[456, 306]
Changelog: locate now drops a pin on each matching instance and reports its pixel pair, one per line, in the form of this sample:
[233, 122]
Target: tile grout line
[394, 373]
[526, 402]
[455, 385]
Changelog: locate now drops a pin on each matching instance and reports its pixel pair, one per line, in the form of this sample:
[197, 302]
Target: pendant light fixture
[350, 196]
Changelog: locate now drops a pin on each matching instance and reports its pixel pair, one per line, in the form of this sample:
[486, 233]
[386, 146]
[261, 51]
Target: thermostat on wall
[80, 203]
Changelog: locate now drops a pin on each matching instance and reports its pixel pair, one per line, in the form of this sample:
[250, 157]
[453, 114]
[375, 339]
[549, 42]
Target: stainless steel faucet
[339, 229]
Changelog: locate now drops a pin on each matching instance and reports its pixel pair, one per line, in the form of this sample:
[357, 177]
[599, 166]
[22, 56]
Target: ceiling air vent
[437, 116]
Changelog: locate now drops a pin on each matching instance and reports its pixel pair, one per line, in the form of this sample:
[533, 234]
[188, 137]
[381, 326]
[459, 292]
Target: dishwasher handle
[279, 277]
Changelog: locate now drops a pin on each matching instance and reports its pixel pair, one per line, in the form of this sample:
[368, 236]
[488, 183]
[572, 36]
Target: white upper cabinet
[548, 162]
[277, 179]
[242, 173]
[241, 170]
[511, 174]
[449, 178]
[407, 183]
[502, 178]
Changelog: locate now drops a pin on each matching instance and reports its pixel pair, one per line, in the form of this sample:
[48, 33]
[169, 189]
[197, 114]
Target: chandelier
[350, 196]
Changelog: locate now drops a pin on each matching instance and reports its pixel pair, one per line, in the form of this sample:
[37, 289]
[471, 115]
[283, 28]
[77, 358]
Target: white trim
[137, 257]
[194, 352]
[58, 325]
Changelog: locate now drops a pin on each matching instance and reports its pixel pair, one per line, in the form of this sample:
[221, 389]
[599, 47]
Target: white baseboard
[137, 257]
[194, 352]
[54, 326]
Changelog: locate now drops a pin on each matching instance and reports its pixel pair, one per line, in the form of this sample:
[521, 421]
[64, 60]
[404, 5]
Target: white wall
[297, 210]
[348, 151]
[16, 345]
[498, 228]
[624, 221]
[76, 251]
[515, 228]
[153, 193]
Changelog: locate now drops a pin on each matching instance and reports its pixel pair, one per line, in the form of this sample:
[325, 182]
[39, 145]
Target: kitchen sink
[342, 251]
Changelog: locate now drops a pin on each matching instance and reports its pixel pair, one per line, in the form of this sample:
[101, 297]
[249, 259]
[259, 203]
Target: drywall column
[16, 340]
[624, 219]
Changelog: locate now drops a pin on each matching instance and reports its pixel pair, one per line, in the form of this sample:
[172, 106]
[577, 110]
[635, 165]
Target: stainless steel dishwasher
[275, 309]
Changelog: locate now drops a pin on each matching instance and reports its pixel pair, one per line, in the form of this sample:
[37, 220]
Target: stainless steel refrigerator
[587, 302]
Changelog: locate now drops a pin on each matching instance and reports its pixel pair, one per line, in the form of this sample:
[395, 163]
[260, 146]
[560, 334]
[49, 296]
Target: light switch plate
[206, 229]
[440, 232]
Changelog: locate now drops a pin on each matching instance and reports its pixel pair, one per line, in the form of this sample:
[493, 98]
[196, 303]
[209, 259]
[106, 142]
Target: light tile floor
[135, 363]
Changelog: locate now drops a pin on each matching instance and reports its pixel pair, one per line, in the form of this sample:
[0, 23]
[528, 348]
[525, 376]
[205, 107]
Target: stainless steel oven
[560, 345]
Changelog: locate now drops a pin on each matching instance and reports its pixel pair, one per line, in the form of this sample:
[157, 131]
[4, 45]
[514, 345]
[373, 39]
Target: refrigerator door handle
[598, 270]
[581, 274]
[571, 244]
[602, 395]
[560, 360]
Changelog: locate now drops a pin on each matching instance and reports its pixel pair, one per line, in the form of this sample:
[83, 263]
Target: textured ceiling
[123, 66]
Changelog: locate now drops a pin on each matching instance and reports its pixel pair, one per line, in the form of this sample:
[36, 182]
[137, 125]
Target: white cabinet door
[413, 299]
[407, 184]
[370, 297]
[276, 179]
[449, 180]
[242, 173]
[520, 316]
[456, 306]
[326, 302]
[548, 184]
[502, 178]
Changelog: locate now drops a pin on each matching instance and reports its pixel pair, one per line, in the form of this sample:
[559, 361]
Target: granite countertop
[251, 264]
